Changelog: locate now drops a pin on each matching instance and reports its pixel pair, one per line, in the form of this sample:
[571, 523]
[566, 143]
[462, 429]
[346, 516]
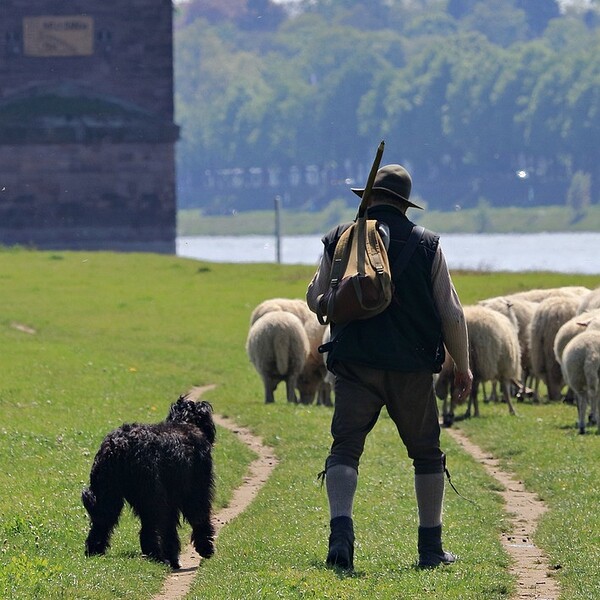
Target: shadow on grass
[339, 572]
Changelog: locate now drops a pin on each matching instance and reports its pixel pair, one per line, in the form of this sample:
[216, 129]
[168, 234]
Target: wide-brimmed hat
[393, 179]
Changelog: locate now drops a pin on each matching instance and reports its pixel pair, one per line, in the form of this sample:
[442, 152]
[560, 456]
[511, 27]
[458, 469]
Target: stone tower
[87, 137]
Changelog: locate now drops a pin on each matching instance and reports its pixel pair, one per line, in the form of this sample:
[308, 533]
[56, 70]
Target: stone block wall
[87, 136]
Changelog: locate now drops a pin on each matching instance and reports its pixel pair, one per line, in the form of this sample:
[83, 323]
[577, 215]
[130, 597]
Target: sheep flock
[516, 342]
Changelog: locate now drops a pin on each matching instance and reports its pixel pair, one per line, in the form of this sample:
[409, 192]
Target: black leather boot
[431, 553]
[341, 543]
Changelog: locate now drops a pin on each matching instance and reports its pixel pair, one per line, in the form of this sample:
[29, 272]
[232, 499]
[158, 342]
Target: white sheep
[589, 301]
[537, 295]
[311, 379]
[277, 346]
[295, 306]
[574, 326]
[520, 312]
[581, 369]
[329, 379]
[548, 318]
[493, 355]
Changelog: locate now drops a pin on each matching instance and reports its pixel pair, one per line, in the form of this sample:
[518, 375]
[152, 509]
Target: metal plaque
[58, 36]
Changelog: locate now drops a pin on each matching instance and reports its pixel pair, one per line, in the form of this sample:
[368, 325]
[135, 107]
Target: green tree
[522, 67]
[413, 102]
[578, 195]
[469, 120]
[498, 20]
[582, 126]
[538, 14]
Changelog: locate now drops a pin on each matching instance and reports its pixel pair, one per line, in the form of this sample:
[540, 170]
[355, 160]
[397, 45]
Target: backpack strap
[338, 267]
[361, 243]
[416, 235]
[373, 246]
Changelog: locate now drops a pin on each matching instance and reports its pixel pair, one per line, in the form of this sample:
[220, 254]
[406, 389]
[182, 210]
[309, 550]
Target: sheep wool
[296, 306]
[578, 324]
[589, 301]
[519, 311]
[311, 380]
[538, 295]
[548, 318]
[277, 346]
[494, 355]
[581, 368]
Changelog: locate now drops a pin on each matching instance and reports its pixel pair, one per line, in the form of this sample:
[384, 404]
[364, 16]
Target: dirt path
[530, 564]
[179, 582]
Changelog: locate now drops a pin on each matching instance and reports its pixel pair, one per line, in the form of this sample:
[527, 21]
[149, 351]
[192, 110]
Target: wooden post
[278, 228]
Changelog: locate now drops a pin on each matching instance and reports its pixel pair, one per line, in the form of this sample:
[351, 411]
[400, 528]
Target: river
[558, 252]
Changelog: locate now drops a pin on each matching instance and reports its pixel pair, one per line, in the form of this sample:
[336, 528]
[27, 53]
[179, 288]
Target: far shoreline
[482, 219]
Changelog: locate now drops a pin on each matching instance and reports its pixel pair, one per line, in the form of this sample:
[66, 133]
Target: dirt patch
[530, 564]
[23, 328]
[179, 582]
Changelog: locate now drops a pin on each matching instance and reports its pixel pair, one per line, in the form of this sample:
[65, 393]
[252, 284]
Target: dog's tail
[89, 500]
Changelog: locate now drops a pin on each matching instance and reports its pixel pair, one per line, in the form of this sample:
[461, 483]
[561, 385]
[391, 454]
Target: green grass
[119, 336]
[482, 219]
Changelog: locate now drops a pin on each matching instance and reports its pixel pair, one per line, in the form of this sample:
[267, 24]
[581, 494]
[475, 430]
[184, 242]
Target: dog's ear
[178, 409]
[204, 410]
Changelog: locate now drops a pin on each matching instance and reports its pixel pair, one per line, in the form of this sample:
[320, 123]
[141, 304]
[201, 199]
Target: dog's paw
[205, 548]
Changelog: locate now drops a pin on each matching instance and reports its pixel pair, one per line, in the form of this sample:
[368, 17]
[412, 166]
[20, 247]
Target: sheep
[581, 369]
[277, 346]
[520, 312]
[589, 301]
[548, 318]
[329, 379]
[537, 295]
[578, 324]
[311, 379]
[493, 355]
[444, 390]
[293, 305]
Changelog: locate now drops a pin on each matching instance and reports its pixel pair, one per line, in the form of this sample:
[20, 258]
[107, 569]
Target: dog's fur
[162, 471]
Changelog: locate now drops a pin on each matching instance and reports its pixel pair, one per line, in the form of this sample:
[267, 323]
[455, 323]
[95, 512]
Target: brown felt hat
[393, 179]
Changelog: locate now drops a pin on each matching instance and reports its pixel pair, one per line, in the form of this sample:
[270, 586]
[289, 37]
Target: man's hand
[463, 380]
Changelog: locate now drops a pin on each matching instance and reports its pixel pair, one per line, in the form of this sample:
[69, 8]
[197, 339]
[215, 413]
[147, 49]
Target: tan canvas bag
[360, 282]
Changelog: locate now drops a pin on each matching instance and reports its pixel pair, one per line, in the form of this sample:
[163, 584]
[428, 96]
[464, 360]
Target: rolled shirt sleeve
[454, 327]
[319, 283]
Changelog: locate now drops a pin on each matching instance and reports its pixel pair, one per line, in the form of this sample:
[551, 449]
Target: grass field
[91, 340]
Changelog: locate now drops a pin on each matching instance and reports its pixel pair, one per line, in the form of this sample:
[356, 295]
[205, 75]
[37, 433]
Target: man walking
[389, 360]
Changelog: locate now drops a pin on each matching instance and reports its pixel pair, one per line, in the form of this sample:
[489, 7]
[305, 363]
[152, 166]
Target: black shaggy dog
[162, 471]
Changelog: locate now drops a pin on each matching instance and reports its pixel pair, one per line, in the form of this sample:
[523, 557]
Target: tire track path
[530, 564]
[178, 582]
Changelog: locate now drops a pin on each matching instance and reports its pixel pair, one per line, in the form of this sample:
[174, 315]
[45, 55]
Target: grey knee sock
[429, 489]
[341, 481]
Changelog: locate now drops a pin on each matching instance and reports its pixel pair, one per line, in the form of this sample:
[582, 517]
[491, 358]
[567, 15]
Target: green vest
[406, 336]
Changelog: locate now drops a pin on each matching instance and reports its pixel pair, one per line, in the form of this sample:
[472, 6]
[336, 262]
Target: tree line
[495, 101]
